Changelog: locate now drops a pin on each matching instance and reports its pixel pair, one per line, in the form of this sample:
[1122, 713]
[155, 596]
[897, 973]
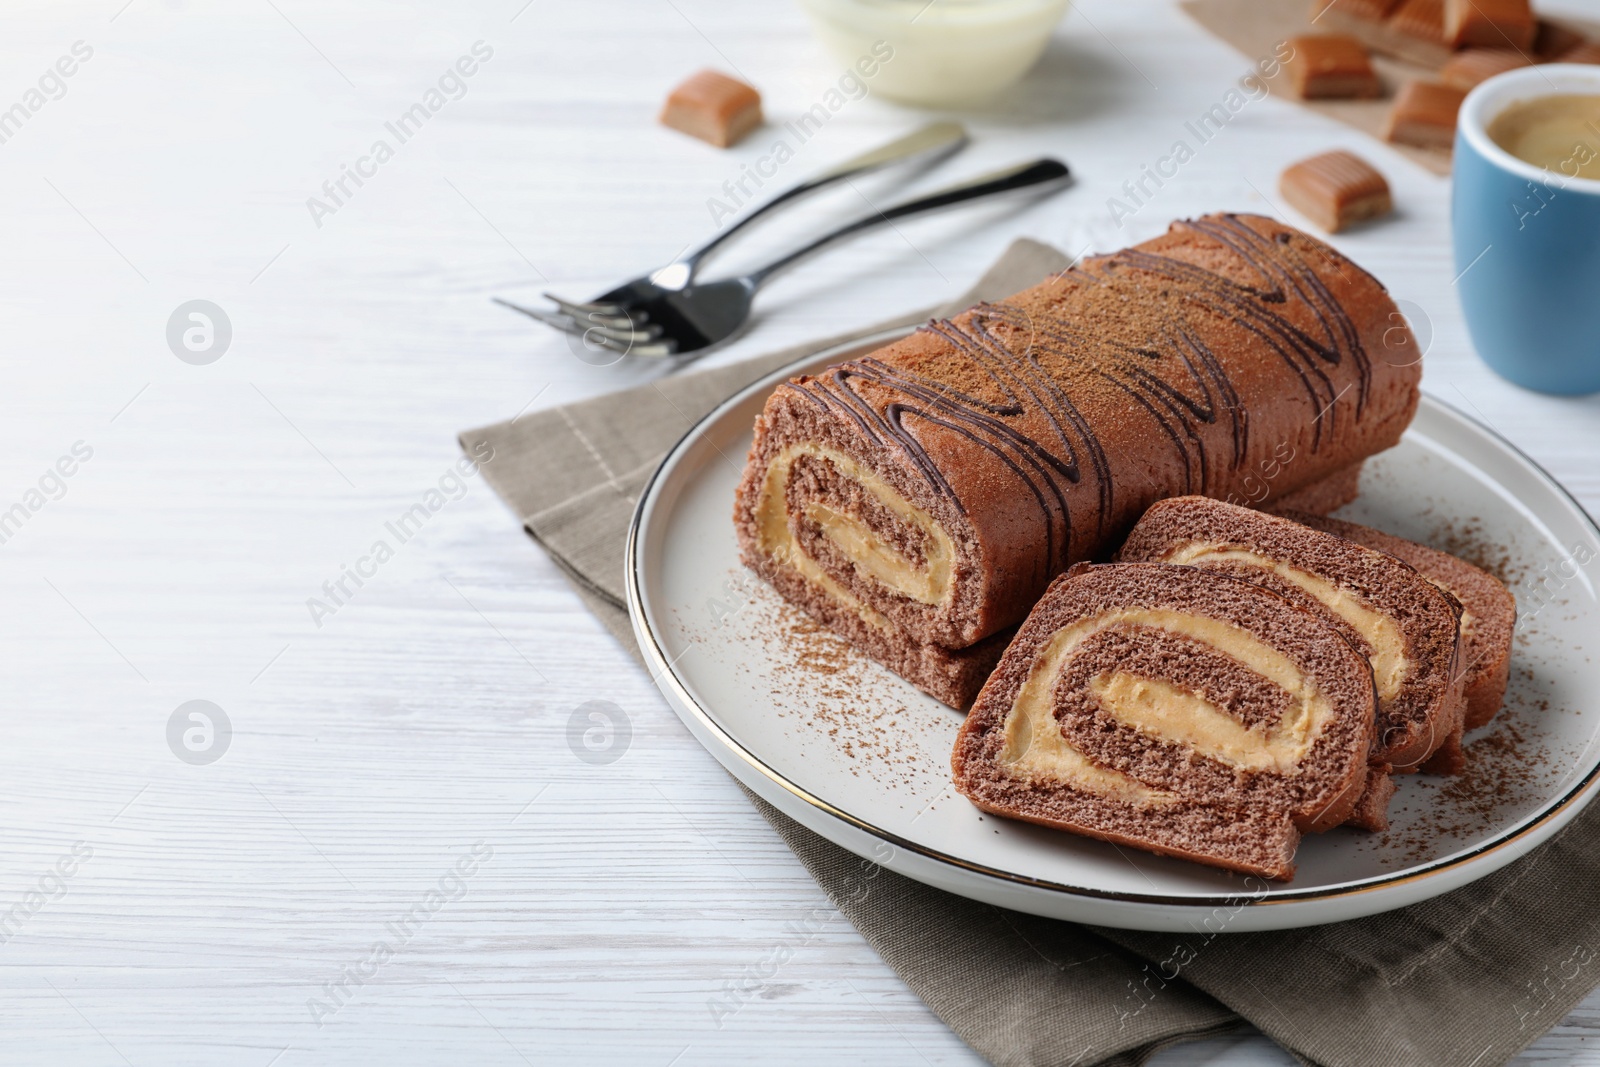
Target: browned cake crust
[1076, 668]
[1488, 610]
[1016, 439]
[1319, 498]
[1407, 624]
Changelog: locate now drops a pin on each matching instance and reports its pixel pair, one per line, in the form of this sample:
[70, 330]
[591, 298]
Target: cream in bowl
[941, 53]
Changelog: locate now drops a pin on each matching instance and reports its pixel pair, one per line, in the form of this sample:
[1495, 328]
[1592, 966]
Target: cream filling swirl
[1035, 748]
[870, 554]
[1381, 632]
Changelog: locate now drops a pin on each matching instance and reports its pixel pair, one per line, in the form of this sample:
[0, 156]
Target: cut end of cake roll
[845, 533]
[1406, 625]
[1488, 609]
[1371, 812]
[1175, 710]
[920, 499]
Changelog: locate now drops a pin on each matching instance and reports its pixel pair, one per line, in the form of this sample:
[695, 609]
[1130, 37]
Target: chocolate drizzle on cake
[1156, 356]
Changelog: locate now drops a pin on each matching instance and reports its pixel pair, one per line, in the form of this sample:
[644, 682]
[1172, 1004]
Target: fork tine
[564, 323]
[601, 341]
[653, 349]
[640, 342]
[586, 311]
[649, 333]
[617, 328]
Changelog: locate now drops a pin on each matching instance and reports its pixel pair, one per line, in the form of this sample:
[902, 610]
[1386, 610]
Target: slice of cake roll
[1488, 610]
[1406, 625]
[1176, 710]
[920, 499]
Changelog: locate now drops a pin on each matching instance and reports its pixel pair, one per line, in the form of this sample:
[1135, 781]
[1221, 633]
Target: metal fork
[674, 322]
[929, 145]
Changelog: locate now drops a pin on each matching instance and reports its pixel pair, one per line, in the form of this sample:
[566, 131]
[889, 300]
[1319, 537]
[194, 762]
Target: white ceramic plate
[862, 758]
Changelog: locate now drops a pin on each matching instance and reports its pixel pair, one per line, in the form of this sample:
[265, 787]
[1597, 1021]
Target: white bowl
[941, 53]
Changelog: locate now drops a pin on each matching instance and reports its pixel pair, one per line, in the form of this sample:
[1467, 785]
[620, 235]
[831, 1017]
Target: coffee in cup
[1559, 133]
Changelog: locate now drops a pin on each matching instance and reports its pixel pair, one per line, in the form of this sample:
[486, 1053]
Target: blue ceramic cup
[1527, 243]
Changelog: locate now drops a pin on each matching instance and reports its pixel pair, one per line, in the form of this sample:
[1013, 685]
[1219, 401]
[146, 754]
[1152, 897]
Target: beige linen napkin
[1464, 980]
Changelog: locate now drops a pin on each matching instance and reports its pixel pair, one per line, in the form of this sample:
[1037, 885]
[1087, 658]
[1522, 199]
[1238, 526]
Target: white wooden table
[173, 912]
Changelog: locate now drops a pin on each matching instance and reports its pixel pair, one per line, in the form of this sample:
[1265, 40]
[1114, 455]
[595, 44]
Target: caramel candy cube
[1424, 115]
[1336, 190]
[1466, 69]
[714, 108]
[1489, 23]
[1587, 52]
[1554, 41]
[1330, 66]
[1422, 19]
[1371, 10]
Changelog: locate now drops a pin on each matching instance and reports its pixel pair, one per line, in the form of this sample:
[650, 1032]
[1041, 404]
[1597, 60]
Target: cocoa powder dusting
[1466, 539]
[835, 696]
[1508, 771]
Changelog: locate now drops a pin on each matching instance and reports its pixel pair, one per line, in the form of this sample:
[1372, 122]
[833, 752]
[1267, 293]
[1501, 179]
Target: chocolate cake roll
[1406, 625]
[1488, 610]
[919, 500]
[1175, 710]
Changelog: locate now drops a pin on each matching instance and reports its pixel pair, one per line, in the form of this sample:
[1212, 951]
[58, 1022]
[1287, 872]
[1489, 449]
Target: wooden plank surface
[414, 741]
